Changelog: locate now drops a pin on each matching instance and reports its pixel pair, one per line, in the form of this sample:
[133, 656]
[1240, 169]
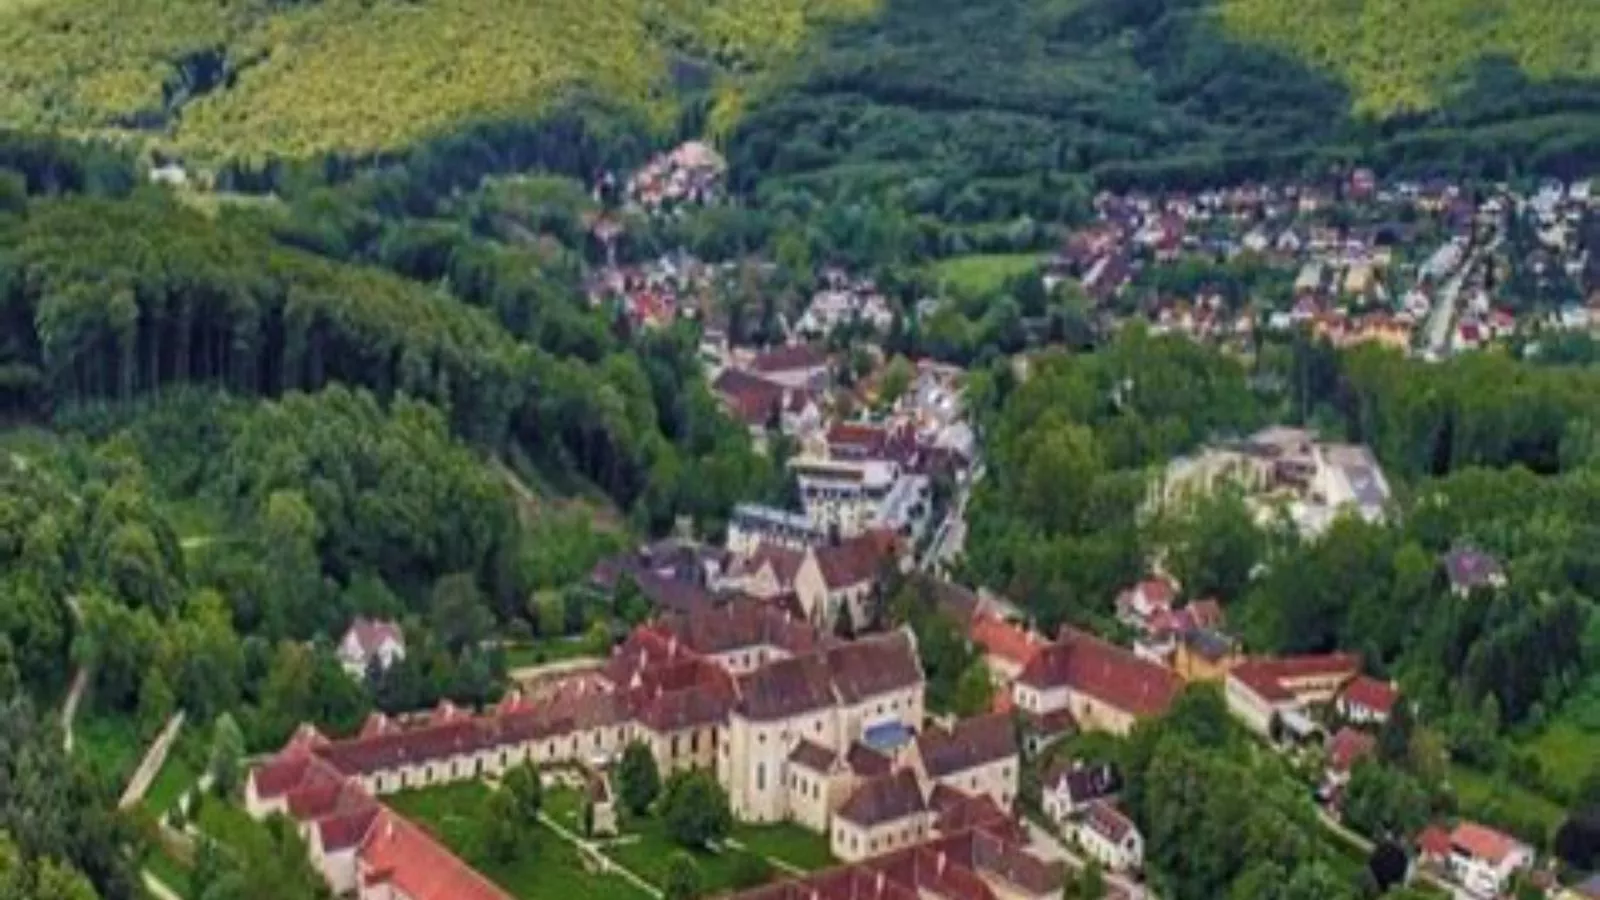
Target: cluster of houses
[842, 300]
[1353, 255]
[691, 174]
[796, 724]
[655, 293]
[1283, 472]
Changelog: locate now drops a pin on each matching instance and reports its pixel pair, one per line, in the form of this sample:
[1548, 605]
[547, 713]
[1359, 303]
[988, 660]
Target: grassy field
[787, 843]
[1406, 54]
[538, 652]
[111, 744]
[1484, 796]
[300, 79]
[983, 272]
[549, 868]
[1566, 751]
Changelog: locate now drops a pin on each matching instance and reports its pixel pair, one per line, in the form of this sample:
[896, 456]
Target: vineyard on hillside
[1399, 55]
[251, 77]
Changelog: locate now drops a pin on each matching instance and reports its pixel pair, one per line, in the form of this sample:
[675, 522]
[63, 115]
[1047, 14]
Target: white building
[369, 642]
[1109, 837]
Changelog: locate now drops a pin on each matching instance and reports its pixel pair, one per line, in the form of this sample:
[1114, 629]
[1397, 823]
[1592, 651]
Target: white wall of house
[1121, 856]
[998, 780]
[851, 842]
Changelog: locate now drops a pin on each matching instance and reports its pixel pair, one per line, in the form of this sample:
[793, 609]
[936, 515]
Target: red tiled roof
[751, 398]
[789, 358]
[1272, 677]
[345, 829]
[1349, 746]
[742, 624]
[371, 633]
[1004, 640]
[888, 798]
[866, 762]
[1482, 842]
[812, 756]
[786, 688]
[875, 665]
[1104, 671]
[1108, 821]
[399, 853]
[1434, 841]
[852, 561]
[973, 742]
[281, 774]
[956, 811]
[1370, 693]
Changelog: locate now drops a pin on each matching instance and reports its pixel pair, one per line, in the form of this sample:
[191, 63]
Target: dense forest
[1483, 452]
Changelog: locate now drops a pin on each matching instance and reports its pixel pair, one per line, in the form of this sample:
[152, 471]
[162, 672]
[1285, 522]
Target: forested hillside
[981, 111]
[1400, 55]
[258, 77]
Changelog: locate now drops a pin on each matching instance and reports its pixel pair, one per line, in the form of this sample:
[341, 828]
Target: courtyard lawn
[549, 867]
[645, 847]
[983, 272]
[788, 843]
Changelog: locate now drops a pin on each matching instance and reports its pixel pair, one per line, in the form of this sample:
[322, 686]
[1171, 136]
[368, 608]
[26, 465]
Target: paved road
[158, 888]
[153, 760]
[1441, 320]
[80, 683]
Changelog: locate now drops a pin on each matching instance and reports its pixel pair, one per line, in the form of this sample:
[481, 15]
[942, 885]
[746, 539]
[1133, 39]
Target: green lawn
[646, 849]
[1566, 751]
[548, 869]
[788, 843]
[982, 272]
[1488, 797]
[110, 743]
[548, 650]
[173, 874]
[178, 774]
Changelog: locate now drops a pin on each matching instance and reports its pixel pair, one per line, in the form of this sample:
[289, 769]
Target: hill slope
[300, 78]
[1399, 55]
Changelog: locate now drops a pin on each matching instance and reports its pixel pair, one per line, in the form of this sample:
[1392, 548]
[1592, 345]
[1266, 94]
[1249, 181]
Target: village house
[753, 525]
[1007, 648]
[1469, 569]
[762, 404]
[844, 576]
[976, 756]
[1069, 787]
[1261, 690]
[800, 367]
[1477, 857]
[371, 644]
[1109, 837]
[1367, 701]
[884, 814]
[1346, 748]
[1097, 685]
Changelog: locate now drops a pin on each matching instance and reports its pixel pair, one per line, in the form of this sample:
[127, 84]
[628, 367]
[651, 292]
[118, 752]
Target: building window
[694, 742]
[674, 746]
[761, 776]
